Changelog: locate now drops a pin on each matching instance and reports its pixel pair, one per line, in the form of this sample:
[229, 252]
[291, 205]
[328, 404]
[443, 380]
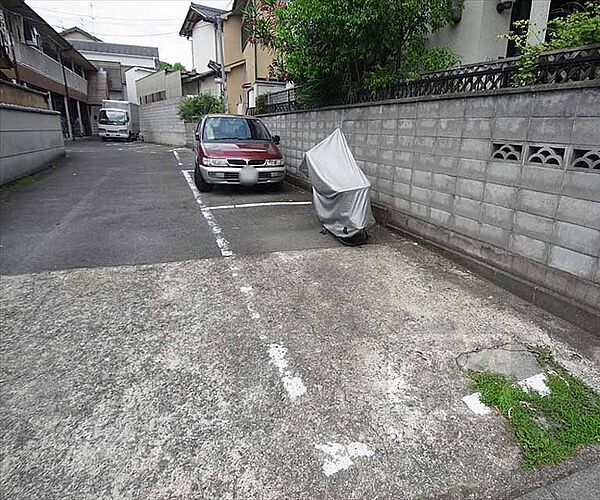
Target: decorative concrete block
[443, 182]
[584, 185]
[479, 128]
[498, 194]
[535, 226]
[589, 103]
[478, 149]
[513, 128]
[452, 108]
[494, 235]
[443, 201]
[445, 165]
[401, 189]
[528, 247]
[467, 207]
[537, 203]
[497, 216]
[427, 126]
[586, 131]
[440, 217]
[386, 172]
[469, 188]
[419, 210]
[552, 130]
[507, 173]
[420, 195]
[553, 104]
[422, 179]
[428, 109]
[402, 174]
[542, 179]
[577, 211]
[447, 145]
[466, 226]
[477, 106]
[578, 238]
[407, 110]
[572, 262]
[514, 105]
[450, 127]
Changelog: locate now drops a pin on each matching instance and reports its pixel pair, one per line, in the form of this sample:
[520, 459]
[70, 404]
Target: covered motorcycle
[340, 189]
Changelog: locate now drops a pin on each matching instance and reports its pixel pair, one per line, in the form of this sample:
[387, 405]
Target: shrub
[192, 108]
[574, 30]
[261, 102]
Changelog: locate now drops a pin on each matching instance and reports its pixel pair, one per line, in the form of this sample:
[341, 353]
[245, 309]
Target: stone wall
[30, 139]
[510, 178]
[160, 123]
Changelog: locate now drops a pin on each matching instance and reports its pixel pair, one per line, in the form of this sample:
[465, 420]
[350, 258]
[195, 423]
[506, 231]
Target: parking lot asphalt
[110, 204]
[231, 352]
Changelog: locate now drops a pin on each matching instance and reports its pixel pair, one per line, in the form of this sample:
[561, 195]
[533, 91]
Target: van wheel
[201, 184]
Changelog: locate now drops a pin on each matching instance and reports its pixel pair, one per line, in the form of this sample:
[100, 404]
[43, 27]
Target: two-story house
[474, 34]
[36, 56]
[246, 65]
[121, 65]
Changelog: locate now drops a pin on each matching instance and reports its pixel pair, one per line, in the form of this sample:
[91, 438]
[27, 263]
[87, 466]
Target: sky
[154, 23]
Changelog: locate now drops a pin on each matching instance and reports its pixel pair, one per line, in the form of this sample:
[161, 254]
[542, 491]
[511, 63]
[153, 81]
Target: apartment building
[33, 54]
[246, 65]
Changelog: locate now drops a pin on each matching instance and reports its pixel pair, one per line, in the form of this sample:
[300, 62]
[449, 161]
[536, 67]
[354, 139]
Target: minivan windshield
[224, 128]
[112, 117]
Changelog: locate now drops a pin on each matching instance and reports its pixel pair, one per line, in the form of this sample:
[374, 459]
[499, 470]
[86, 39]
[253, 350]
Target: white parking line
[222, 243]
[178, 159]
[261, 204]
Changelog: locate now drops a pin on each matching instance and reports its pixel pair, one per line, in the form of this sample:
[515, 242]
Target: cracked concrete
[154, 381]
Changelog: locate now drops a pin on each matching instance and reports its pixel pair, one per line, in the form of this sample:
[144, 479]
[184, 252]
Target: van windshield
[224, 128]
[112, 117]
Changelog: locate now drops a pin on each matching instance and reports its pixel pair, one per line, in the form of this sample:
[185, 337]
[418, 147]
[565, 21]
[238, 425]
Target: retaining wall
[30, 139]
[510, 178]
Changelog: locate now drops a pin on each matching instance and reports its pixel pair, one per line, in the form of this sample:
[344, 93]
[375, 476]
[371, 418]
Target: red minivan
[234, 149]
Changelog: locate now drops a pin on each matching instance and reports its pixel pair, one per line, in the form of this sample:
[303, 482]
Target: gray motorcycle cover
[340, 188]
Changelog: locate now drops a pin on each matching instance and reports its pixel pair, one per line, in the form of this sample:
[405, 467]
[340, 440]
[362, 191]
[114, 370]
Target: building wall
[235, 92]
[490, 176]
[131, 76]
[203, 46]
[206, 85]
[16, 94]
[124, 59]
[160, 81]
[475, 37]
[232, 34]
[30, 139]
[160, 123]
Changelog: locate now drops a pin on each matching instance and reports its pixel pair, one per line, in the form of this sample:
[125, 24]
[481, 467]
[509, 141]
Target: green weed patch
[549, 428]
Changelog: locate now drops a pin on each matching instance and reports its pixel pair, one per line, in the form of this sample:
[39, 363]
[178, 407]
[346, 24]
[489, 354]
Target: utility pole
[67, 112]
[221, 55]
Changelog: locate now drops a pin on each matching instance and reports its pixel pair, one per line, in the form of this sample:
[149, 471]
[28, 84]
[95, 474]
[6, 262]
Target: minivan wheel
[201, 184]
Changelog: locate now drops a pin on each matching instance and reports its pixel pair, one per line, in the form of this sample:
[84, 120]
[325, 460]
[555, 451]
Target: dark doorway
[521, 11]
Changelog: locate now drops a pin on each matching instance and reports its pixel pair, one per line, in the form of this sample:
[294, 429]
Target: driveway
[158, 343]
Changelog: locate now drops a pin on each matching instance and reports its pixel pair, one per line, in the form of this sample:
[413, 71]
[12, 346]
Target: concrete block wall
[30, 139]
[160, 123]
[510, 178]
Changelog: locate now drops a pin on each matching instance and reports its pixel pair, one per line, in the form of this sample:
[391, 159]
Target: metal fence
[555, 67]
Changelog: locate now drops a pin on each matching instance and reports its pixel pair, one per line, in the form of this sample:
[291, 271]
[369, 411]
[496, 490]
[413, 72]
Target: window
[234, 129]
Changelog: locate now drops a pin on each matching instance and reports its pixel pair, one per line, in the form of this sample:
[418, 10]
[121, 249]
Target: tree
[171, 67]
[333, 48]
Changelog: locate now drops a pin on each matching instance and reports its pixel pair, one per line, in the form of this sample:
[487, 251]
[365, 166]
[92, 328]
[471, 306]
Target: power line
[126, 36]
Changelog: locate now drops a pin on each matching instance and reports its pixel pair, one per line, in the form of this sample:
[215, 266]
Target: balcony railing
[50, 68]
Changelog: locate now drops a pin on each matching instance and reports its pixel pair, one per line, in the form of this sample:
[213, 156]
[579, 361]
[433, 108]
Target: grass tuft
[549, 428]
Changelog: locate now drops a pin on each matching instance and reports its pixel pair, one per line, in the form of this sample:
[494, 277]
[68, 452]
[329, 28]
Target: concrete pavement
[306, 372]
